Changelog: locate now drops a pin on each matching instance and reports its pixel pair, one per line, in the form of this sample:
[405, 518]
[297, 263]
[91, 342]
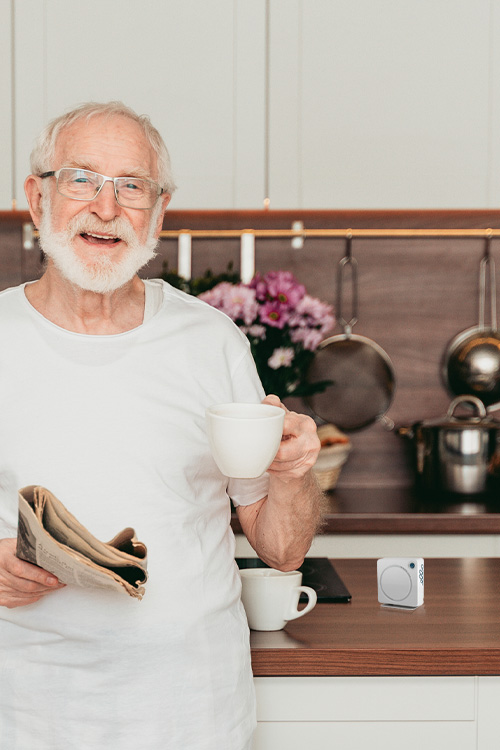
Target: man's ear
[33, 190]
[165, 199]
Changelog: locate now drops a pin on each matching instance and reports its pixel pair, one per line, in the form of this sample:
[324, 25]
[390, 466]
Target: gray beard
[102, 275]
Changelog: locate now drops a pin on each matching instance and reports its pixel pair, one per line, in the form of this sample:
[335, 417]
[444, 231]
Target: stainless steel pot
[457, 454]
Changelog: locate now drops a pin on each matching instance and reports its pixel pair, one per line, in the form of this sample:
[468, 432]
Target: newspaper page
[51, 537]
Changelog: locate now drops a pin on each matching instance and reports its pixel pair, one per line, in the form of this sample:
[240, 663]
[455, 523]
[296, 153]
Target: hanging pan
[471, 361]
[359, 372]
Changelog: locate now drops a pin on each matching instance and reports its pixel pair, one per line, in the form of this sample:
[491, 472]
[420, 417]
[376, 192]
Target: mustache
[117, 227]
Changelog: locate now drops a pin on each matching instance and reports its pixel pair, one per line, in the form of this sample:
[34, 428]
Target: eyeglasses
[84, 185]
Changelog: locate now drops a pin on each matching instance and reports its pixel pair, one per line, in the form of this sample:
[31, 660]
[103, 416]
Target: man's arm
[281, 526]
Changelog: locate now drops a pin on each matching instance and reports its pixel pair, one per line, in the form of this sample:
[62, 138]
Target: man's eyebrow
[130, 172]
[81, 164]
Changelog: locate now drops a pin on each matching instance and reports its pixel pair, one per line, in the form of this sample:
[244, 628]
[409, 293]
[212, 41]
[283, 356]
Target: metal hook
[348, 260]
[349, 244]
[487, 265]
[487, 249]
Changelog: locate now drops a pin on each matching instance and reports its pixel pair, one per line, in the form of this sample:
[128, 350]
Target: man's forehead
[84, 161]
[93, 143]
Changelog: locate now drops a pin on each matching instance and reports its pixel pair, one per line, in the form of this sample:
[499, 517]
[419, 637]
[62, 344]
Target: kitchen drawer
[365, 699]
[371, 735]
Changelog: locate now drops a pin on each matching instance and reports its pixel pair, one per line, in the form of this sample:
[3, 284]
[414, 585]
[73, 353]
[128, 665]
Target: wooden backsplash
[415, 293]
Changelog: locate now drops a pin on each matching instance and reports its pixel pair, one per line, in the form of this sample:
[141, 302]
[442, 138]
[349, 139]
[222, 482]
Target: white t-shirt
[114, 427]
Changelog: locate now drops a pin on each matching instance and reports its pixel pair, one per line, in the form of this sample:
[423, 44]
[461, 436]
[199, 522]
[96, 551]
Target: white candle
[247, 257]
[184, 255]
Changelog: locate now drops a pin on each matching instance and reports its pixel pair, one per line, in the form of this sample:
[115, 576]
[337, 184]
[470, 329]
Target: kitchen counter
[403, 511]
[455, 632]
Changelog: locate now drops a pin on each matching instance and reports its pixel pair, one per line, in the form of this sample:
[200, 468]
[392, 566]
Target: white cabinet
[196, 68]
[391, 104]
[380, 713]
[329, 104]
[5, 110]
[488, 719]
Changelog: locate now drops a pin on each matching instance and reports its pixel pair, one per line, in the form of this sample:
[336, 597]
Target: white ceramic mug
[271, 597]
[244, 438]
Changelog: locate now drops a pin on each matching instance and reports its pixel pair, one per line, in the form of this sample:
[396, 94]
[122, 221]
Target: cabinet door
[6, 189]
[380, 713]
[196, 68]
[488, 730]
[370, 735]
[384, 105]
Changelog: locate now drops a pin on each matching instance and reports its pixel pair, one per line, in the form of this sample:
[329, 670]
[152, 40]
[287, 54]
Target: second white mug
[271, 597]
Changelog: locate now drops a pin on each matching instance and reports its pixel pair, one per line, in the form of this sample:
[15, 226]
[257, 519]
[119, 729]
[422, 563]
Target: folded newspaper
[50, 536]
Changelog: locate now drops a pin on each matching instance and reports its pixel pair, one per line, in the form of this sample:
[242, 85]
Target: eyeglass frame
[56, 173]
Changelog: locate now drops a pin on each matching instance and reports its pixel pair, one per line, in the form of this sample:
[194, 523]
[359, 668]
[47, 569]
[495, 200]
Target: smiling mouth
[99, 239]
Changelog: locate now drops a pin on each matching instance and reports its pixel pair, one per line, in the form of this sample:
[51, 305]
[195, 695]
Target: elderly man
[104, 381]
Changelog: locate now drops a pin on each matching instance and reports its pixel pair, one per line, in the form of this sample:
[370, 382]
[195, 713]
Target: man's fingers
[31, 574]
[273, 400]
[21, 582]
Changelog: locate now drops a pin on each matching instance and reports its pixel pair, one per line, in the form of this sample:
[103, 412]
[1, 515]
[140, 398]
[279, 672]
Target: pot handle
[473, 400]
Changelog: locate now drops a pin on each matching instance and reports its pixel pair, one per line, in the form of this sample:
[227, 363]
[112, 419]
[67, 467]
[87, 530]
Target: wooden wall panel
[415, 293]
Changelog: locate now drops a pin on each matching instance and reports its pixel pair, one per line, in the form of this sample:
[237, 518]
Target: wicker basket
[332, 456]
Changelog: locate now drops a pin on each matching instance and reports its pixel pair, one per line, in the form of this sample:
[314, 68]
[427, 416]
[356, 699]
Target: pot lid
[479, 418]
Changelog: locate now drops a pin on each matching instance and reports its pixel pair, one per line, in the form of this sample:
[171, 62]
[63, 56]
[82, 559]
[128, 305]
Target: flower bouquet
[283, 324]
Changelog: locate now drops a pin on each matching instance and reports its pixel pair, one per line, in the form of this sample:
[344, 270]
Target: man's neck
[81, 311]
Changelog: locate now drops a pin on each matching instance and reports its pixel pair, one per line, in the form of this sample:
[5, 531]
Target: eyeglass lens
[83, 185]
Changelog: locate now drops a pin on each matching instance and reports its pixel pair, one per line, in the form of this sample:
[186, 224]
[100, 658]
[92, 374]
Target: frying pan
[471, 361]
[360, 374]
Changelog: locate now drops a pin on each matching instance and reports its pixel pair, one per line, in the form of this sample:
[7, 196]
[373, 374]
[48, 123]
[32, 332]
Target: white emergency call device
[401, 582]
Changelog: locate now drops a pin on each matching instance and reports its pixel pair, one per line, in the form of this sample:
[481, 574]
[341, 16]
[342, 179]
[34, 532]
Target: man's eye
[83, 180]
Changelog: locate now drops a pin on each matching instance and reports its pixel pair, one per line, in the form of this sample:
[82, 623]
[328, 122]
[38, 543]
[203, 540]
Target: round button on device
[395, 582]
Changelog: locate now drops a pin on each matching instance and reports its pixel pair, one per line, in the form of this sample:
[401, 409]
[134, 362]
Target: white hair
[43, 152]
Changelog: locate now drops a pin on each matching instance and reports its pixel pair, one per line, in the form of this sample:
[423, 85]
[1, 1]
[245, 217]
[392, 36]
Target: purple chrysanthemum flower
[273, 314]
[283, 287]
[308, 337]
[278, 286]
[312, 313]
[236, 300]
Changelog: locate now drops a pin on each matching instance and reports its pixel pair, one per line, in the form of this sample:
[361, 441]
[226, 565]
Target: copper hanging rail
[304, 233]
[232, 233]
[31, 233]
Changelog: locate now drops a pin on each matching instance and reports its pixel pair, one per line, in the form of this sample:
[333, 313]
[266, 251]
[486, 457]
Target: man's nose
[105, 204]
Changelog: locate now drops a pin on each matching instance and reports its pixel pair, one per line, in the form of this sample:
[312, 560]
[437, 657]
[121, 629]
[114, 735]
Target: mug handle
[312, 599]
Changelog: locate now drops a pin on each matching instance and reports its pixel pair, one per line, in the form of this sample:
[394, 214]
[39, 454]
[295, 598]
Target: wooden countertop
[401, 511]
[455, 632]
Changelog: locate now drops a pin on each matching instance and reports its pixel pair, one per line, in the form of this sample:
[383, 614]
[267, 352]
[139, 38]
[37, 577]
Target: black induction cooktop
[317, 572]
